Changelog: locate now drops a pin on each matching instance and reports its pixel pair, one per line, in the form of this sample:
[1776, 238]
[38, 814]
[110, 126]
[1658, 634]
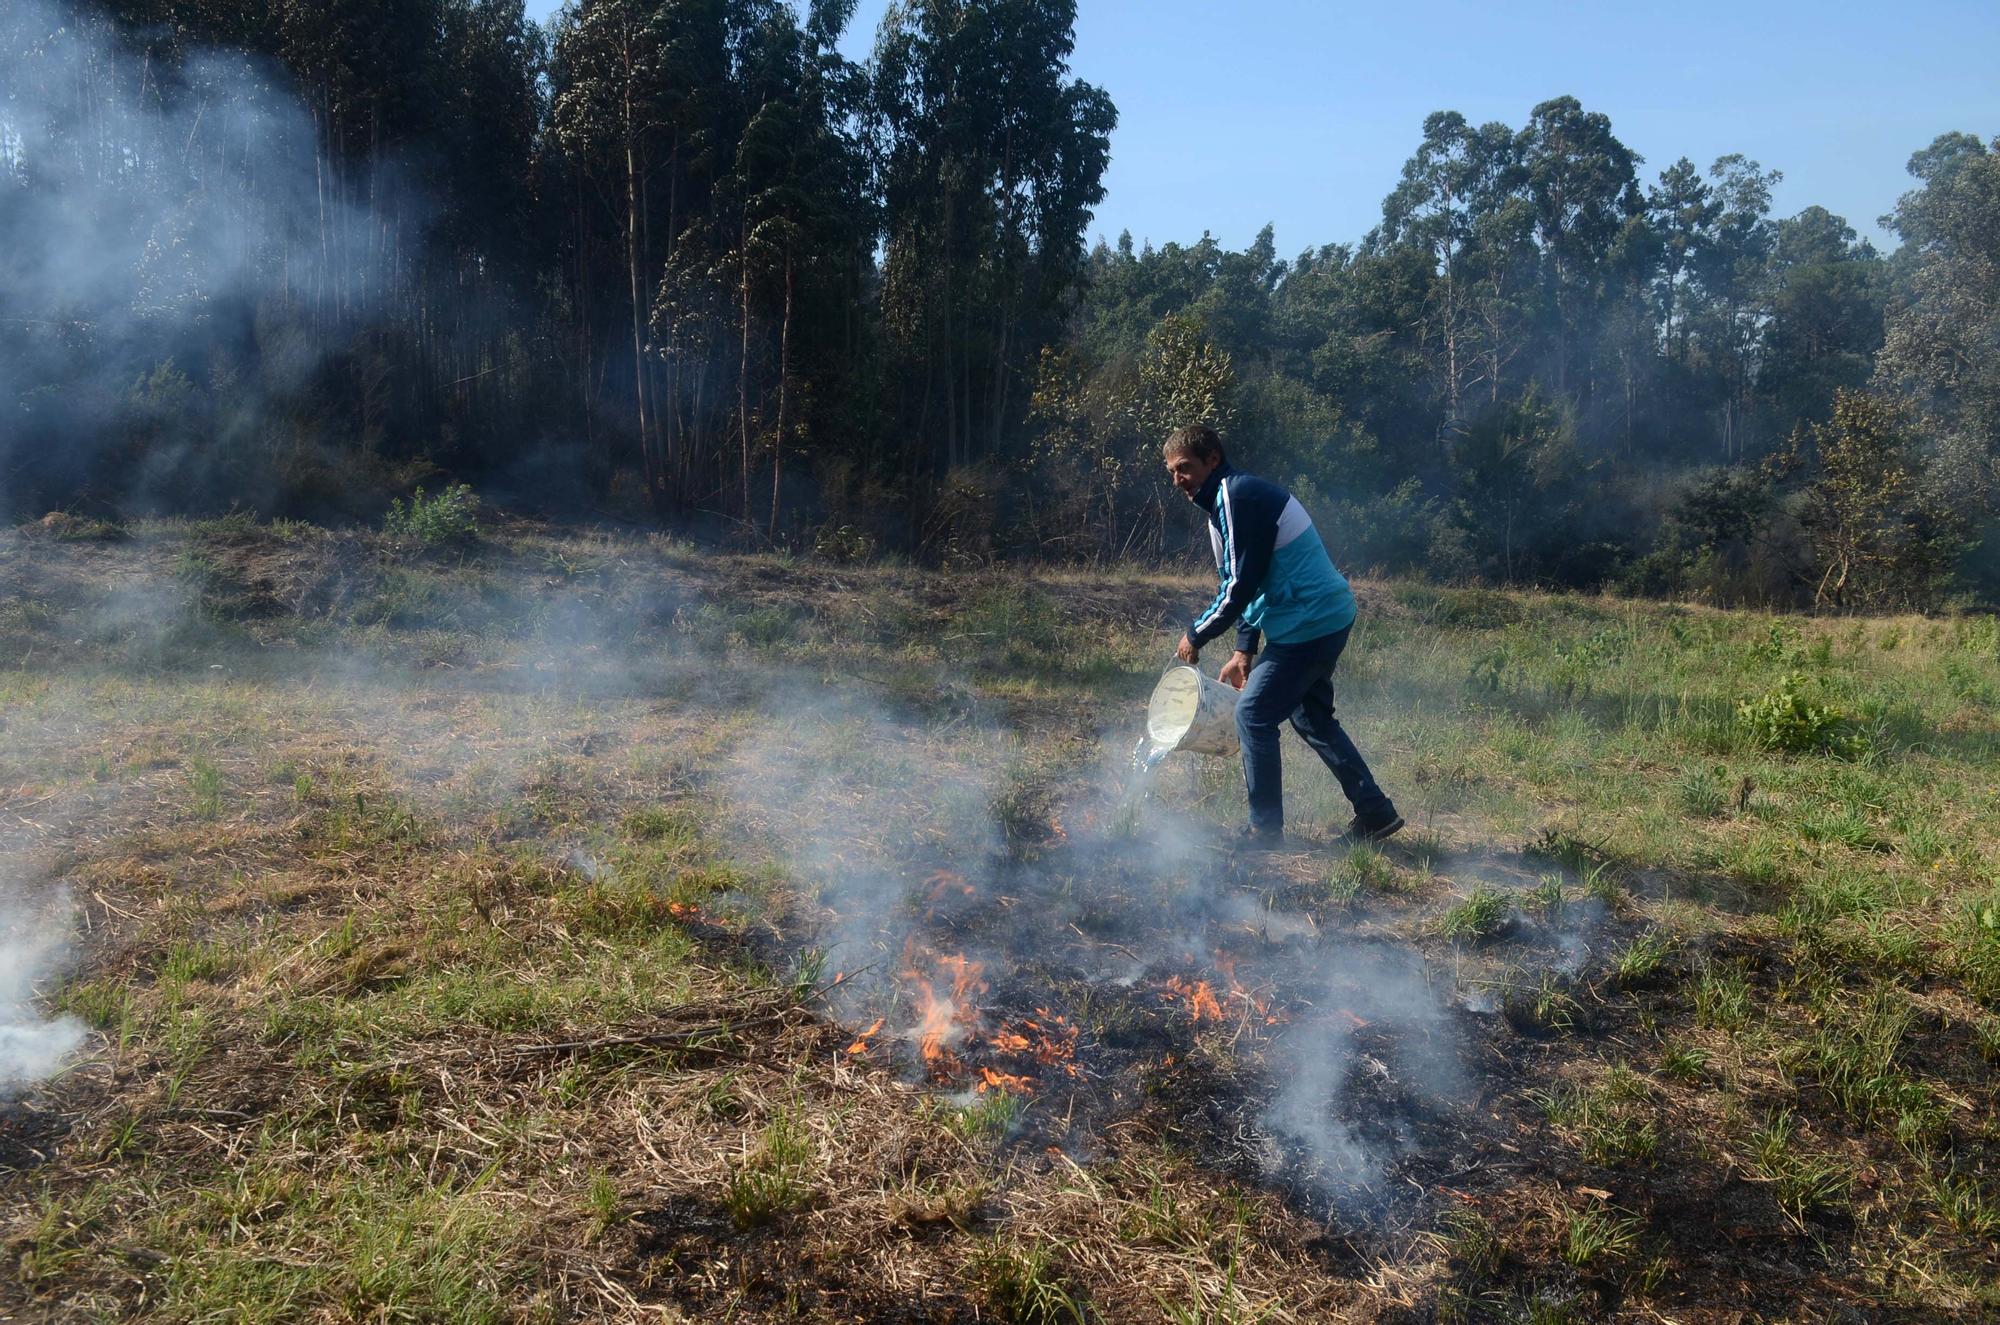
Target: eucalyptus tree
[991, 159]
[1942, 345]
[803, 222]
[606, 109]
[1446, 205]
[1581, 183]
[1731, 268]
[1683, 209]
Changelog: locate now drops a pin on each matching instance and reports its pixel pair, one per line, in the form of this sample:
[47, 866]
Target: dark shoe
[1359, 831]
[1253, 839]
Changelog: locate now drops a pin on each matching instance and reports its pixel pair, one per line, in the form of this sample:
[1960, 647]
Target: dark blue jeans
[1295, 681]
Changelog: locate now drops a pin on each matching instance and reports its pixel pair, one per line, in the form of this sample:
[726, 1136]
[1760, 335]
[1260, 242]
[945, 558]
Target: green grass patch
[1482, 916]
[776, 1175]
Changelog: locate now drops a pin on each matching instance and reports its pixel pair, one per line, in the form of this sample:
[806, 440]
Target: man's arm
[1249, 537]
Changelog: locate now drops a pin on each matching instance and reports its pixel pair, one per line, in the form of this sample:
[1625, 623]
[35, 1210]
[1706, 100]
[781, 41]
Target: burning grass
[540, 935]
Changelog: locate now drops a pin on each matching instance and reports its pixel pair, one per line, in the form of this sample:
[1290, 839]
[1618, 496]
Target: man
[1277, 583]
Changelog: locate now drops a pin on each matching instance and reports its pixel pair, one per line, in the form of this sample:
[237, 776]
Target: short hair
[1196, 439]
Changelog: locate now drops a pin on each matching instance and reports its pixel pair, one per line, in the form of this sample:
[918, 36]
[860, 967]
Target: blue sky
[1302, 114]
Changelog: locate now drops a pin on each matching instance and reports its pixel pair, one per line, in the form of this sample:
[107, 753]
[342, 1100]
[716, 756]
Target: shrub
[451, 517]
[1787, 720]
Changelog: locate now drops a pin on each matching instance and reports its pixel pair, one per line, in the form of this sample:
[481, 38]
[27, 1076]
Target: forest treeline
[683, 260]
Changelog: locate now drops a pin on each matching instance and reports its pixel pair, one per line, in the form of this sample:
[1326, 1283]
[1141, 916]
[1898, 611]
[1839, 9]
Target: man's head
[1192, 453]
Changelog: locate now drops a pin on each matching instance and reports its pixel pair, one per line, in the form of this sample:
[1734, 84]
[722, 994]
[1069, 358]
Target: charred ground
[554, 926]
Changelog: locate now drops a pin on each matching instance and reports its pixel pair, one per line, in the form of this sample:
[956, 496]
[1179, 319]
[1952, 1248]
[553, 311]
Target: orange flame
[1238, 994]
[1199, 996]
[860, 1045]
[991, 1080]
[1050, 1041]
[945, 881]
[943, 1020]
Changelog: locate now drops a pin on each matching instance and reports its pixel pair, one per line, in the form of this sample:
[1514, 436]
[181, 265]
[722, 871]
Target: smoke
[871, 811]
[171, 252]
[32, 948]
[1378, 1033]
[929, 842]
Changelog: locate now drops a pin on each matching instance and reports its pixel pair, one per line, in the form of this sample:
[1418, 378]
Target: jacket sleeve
[1249, 536]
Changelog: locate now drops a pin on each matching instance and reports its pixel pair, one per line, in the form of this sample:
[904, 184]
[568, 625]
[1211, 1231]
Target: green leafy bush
[1788, 720]
[451, 517]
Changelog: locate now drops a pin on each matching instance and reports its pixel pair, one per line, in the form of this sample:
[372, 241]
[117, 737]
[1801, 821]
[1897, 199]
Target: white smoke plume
[33, 946]
[166, 239]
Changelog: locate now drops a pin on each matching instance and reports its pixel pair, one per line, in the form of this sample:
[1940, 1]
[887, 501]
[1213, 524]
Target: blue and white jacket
[1276, 578]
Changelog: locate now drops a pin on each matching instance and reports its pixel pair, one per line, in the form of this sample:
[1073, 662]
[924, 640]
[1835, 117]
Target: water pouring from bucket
[1192, 711]
[1188, 711]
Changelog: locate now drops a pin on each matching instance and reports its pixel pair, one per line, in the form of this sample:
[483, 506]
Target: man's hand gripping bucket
[1190, 711]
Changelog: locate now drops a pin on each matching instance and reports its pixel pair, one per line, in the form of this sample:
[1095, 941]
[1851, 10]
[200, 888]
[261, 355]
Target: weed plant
[450, 519]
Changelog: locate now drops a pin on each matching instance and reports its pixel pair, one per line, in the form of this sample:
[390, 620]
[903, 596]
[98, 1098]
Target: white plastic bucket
[1190, 711]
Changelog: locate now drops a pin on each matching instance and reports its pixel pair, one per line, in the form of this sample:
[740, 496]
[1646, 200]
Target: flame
[860, 1045]
[945, 881]
[991, 1080]
[1261, 1007]
[1224, 1000]
[1049, 1041]
[943, 1020]
[945, 990]
[1199, 996]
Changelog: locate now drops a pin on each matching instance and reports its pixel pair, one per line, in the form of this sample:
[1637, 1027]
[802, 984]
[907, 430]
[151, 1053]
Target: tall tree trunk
[944, 332]
[654, 485]
[586, 338]
[674, 461]
[1450, 333]
[784, 386]
[998, 390]
[743, 353]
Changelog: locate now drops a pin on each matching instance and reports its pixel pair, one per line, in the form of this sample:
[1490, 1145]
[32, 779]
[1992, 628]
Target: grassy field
[555, 927]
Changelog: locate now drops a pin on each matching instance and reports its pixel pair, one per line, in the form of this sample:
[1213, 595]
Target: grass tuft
[775, 1176]
[1023, 1283]
[1593, 1235]
[1640, 959]
[1482, 916]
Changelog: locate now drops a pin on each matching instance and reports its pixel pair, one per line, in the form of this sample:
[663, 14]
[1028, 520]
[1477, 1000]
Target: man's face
[1189, 472]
